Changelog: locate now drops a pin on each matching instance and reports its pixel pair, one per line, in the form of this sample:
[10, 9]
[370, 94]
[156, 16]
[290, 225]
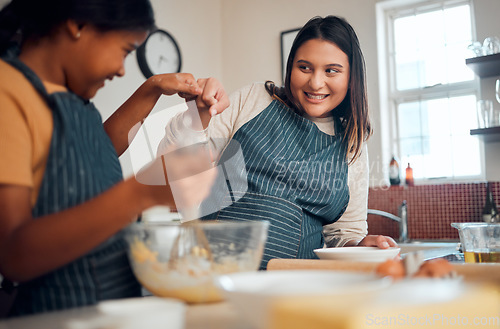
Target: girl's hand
[381, 241]
[183, 84]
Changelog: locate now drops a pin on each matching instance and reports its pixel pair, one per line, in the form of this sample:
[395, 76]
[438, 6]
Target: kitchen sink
[433, 249]
[426, 245]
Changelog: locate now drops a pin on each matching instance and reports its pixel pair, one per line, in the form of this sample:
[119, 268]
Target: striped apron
[297, 180]
[82, 164]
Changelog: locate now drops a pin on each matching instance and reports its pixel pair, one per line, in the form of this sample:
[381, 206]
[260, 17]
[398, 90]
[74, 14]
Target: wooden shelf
[485, 66]
[491, 134]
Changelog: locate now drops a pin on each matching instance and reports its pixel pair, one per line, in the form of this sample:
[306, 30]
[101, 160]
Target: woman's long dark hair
[353, 111]
[31, 19]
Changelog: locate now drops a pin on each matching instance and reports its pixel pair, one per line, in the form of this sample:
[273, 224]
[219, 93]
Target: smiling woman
[303, 147]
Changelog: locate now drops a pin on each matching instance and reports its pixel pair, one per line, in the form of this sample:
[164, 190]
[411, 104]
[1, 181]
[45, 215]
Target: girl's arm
[209, 94]
[140, 104]
[31, 247]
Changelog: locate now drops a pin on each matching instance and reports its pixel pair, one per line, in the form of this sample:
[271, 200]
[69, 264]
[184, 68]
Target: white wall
[238, 41]
[196, 27]
[488, 24]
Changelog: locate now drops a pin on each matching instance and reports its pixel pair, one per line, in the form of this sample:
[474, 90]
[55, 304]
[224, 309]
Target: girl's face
[100, 56]
[319, 79]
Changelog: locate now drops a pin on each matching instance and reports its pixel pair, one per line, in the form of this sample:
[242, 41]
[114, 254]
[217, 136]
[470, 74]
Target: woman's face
[319, 79]
[99, 57]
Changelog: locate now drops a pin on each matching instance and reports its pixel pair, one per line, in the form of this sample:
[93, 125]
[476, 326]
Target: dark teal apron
[82, 164]
[297, 180]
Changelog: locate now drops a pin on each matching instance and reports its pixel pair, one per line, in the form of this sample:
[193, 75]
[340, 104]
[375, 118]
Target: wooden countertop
[486, 272]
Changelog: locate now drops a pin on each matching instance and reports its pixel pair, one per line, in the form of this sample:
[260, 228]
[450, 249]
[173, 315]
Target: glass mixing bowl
[182, 260]
[480, 242]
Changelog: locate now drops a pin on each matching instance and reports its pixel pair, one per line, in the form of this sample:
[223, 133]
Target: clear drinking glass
[484, 113]
[497, 90]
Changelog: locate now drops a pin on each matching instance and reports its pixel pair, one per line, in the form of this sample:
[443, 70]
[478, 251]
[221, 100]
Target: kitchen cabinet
[485, 67]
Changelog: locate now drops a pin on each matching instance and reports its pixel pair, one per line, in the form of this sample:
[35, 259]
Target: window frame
[390, 97]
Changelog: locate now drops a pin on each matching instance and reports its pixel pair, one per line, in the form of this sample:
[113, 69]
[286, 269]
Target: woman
[303, 146]
[63, 201]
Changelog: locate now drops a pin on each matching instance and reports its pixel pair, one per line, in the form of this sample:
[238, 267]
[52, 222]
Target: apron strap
[30, 75]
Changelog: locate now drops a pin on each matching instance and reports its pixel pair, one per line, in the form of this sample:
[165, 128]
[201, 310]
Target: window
[429, 92]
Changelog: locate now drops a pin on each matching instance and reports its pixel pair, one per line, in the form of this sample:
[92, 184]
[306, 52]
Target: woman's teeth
[311, 96]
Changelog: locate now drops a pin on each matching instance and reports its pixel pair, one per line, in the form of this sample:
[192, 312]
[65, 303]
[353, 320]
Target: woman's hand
[381, 241]
[212, 100]
[213, 97]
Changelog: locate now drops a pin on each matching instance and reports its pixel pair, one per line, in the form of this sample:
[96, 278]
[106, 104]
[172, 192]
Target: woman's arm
[351, 226]
[242, 106]
[351, 229]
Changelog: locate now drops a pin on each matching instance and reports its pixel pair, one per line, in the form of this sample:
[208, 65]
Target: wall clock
[159, 54]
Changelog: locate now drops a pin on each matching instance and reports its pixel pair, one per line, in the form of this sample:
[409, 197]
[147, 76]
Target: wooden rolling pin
[486, 272]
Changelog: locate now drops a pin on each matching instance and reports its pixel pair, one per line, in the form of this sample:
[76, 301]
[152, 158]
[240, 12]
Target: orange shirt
[25, 130]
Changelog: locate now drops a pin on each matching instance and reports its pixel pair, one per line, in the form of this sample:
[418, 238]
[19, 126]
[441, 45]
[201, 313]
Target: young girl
[63, 201]
[303, 146]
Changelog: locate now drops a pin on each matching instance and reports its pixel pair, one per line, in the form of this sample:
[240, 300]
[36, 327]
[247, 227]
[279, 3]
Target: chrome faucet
[402, 219]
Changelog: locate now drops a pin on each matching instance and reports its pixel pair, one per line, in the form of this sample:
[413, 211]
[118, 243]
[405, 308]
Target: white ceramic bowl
[357, 254]
[253, 293]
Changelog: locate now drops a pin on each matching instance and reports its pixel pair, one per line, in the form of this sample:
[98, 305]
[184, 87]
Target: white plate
[358, 254]
[132, 313]
[252, 293]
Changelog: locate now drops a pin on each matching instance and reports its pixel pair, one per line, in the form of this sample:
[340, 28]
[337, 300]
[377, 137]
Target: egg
[435, 268]
[391, 267]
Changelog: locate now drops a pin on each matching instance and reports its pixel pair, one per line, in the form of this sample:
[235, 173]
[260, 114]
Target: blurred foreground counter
[413, 303]
[471, 300]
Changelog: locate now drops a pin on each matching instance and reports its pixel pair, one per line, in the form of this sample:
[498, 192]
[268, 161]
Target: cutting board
[489, 272]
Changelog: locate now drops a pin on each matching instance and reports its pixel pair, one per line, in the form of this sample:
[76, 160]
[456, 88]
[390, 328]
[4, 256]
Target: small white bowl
[357, 254]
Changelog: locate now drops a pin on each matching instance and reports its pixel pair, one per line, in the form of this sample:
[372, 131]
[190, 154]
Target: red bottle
[409, 176]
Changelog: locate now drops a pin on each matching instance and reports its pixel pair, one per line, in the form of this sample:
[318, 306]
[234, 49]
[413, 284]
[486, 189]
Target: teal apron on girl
[297, 180]
[82, 164]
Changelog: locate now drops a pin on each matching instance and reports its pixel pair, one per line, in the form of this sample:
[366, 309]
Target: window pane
[457, 24]
[465, 150]
[409, 120]
[430, 48]
[438, 114]
[434, 137]
[463, 115]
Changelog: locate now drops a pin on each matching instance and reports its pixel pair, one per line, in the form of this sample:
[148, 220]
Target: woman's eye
[331, 71]
[304, 68]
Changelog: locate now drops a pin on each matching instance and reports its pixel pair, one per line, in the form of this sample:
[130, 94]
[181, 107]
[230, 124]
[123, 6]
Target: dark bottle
[409, 176]
[490, 210]
[394, 172]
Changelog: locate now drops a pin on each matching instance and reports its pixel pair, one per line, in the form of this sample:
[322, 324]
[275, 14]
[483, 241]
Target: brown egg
[435, 268]
[391, 267]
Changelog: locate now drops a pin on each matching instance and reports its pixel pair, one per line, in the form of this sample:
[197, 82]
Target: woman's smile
[315, 97]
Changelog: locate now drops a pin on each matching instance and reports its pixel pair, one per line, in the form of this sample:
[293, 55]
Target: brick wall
[431, 208]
